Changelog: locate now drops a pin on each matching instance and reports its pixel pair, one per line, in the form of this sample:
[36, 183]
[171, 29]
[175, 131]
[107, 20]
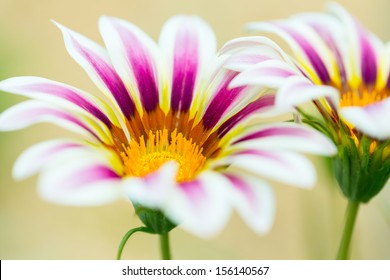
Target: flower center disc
[362, 98]
[147, 156]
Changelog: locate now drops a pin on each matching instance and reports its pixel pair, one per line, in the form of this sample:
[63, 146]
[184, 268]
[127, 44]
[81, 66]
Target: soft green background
[308, 223]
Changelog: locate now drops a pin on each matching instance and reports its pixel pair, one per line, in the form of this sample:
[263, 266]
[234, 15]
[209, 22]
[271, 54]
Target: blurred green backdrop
[308, 223]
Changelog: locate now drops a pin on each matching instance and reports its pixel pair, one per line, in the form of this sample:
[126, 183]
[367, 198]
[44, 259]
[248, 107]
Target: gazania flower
[169, 131]
[345, 69]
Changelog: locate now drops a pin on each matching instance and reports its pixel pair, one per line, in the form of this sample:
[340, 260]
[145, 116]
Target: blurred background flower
[349, 65]
[34, 229]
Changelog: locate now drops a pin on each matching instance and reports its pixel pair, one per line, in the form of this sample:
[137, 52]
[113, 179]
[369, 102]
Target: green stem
[127, 236]
[165, 250]
[352, 209]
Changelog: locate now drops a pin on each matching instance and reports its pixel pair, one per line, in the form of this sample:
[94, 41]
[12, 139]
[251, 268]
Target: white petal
[286, 136]
[80, 178]
[155, 190]
[268, 74]
[241, 60]
[37, 156]
[245, 43]
[201, 206]
[31, 112]
[299, 90]
[254, 201]
[372, 120]
[62, 96]
[286, 167]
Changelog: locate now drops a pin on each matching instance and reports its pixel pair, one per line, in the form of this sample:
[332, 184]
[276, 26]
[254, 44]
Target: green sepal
[153, 219]
[360, 174]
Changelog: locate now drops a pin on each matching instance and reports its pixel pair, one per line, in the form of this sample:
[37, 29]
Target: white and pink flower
[170, 133]
[336, 59]
[344, 71]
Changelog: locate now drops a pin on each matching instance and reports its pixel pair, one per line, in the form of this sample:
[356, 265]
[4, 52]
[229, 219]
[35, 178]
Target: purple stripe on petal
[244, 189]
[71, 96]
[73, 120]
[42, 112]
[242, 60]
[331, 43]
[368, 58]
[110, 79]
[258, 105]
[62, 146]
[194, 191]
[249, 58]
[143, 67]
[276, 131]
[40, 155]
[79, 123]
[91, 175]
[274, 71]
[263, 154]
[311, 54]
[388, 82]
[185, 67]
[221, 102]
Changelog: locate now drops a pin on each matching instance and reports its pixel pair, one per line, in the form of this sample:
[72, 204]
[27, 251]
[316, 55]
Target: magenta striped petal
[253, 200]
[90, 175]
[71, 96]
[368, 56]
[287, 136]
[79, 184]
[95, 61]
[189, 44]
[267, 74]
[286, 167]
[277, 131]
[202, 205]
[241, 60]
[388, 82]
[132, 53]
[299, 90]
[245, 190]
[362, 45]
[40, 154]
[30, 112]
[296, 35]
[44, 89]
[313, 56]
[223, 99]
[194, 190]
[261, 104]
[185, 67]
[327, 28]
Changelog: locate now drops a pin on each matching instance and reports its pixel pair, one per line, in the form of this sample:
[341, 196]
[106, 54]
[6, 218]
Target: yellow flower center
[362, 98]
[147, 156]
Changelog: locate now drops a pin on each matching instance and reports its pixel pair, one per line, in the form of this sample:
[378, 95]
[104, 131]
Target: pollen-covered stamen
[147, 156]
[362, 97]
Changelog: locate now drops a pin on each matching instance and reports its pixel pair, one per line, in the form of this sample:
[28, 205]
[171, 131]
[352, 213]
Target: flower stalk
[165, 248]
[351, 214]
[127, 236]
